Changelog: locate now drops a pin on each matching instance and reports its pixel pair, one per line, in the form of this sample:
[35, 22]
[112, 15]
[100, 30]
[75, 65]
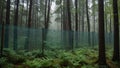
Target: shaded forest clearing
[57, 53]
[59, 34]
[79, 58]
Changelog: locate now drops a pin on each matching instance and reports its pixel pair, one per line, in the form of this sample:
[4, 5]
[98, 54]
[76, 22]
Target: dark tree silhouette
[7, 24]
[16, 24]
[102, 57]
[64, 18]
[46, 19]
[94, 21]
[1, 12]
[76, 21]
[30, 14]
[69, 26]
[82, 15]
[2, 40]
[76, 15]
[88, 21]
[116, 56]
[29, 25]
[2, 29]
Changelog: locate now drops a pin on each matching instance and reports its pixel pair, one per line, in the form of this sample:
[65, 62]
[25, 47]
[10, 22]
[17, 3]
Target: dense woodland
[59, 33]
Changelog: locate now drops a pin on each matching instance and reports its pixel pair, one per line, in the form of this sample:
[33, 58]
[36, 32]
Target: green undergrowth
[79, 58]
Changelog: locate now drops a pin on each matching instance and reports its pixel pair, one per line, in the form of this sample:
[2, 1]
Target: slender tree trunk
[83, 12]
[47, 19]
[102, 57]
[93, 23]
[21, 15]
[1, 14]
[88, 22]
[94, 32]
[83, 23]
[2, 30]
[61, 22]
[110, 33]
[64, 24]
[69, 26]
[6, 42]
[29, 26]
[2, 40]
[76, 21]
[27, 14]
[116, 56]
[43, 30]
[15, 25]
[106, 39]
[1, 17]
[30, 14]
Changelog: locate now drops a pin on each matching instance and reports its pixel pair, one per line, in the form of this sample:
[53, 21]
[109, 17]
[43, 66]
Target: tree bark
[69, 26]
[88, 22]
[116, 53]
[2, 40]
[76, 21]
[15, 25]
[93, 43]
[6, 42]
[102, 56]
[29, 26]
[47, 19]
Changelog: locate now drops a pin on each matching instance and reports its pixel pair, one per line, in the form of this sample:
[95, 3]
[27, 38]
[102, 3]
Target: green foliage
[109, 52]
[79, 58]
[4, 63]
[76, 58]
[58, 2]
[13, 57]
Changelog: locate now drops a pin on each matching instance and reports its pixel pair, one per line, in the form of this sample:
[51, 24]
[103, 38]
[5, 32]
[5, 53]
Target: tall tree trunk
[47, 19]
[29, 26]
[27, 14]
[102, 57]
[2, 40]
[61, 10]
[76, 21]
[43, 30]
[69, 26]
[116, 53]
[6, 42]
[110, 33]
[2, 12]
[93, 35]
[15, 25]
[88, 22]
[2, 30]
[83, 12]
[106, 36]
[83, 23]
[30, 14]
[21, 15]
[64, 24]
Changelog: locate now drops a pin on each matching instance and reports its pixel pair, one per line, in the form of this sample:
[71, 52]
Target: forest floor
[112, 64]
[79, 58]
